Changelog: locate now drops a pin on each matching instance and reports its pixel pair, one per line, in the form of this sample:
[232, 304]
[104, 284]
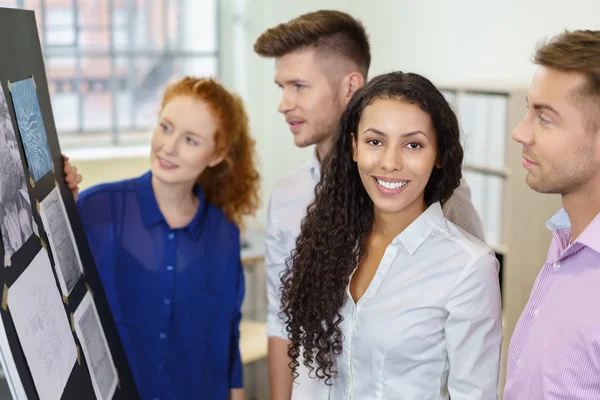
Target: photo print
[31, 127]
[15, 207]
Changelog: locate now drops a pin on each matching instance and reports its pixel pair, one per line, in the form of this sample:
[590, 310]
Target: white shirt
[429, 325]
[287, 206]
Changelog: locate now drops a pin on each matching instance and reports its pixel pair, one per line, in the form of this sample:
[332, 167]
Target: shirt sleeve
[275, 257]
[236, 376]
[474, 332]
[460, 210]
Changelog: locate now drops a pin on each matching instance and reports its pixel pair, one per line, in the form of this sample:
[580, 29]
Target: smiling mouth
[166, 164]
[391, 185]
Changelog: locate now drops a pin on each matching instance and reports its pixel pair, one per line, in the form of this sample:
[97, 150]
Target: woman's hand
[237, 394]
[72, 178]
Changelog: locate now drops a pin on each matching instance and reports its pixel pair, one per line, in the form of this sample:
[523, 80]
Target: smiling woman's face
[395, 149]
[183, 143]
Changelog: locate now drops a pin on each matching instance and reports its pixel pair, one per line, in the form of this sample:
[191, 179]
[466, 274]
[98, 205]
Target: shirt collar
[315, 166]
[151, 214]
[589, 236]
[415, 234]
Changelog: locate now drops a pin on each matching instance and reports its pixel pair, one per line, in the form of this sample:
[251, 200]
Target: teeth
[391, 185]
[167, 163]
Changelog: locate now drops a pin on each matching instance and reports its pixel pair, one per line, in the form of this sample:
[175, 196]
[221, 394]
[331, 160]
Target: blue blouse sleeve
[236, 369]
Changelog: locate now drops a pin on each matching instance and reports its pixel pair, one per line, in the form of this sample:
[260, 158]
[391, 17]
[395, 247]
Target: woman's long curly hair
[333, 232]
[233, 184]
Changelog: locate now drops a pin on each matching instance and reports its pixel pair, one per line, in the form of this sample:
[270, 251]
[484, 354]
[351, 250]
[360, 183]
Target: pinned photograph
[31, 127]
[41, 323]
[62, 241]
[15, 206]
[95, 349]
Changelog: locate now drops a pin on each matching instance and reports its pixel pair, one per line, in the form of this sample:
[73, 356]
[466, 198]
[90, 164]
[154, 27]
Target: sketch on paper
[43, 328]
[31, 126]
[95, 348]
[15, 207]
[62, 241]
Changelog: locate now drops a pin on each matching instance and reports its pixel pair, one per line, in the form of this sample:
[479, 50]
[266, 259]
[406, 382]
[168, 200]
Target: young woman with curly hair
[167, 246]
[383, 296]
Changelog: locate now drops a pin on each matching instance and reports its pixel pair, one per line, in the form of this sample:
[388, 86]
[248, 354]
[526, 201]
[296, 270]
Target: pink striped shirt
[554, 352]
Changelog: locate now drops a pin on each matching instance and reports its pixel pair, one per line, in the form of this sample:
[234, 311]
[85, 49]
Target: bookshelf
[513, 215]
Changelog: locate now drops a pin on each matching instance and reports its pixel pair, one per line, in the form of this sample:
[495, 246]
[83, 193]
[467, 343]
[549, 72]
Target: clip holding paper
[78, 356]
[34, 226]
[44, 244]
[5, 297]
[72, 322]
[89, 289]
[31, 181]
[33, 80]
[37, 206]
[8, 84]
[118, 379]
[65, 299]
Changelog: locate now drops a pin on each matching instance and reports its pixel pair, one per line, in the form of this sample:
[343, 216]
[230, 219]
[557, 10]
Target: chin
[302, 142]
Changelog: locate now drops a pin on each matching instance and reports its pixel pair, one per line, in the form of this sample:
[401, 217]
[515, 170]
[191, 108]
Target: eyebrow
[542, 106]
[168, 121]
[404, 135]
[290, 82]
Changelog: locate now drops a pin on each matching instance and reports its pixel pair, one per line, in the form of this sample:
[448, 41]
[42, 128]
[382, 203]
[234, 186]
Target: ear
[354, 155]
[351, 83]
[216, 160]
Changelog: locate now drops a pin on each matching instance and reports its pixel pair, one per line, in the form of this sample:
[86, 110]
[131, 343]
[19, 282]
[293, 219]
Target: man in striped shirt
[554, 352]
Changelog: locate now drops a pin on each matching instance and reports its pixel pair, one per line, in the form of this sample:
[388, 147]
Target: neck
[323, 148]
[390, 225]
[582, 207]
[174, 199]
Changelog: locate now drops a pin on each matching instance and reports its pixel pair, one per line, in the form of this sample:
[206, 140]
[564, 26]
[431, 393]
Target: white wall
[460, 41]
[470, 41]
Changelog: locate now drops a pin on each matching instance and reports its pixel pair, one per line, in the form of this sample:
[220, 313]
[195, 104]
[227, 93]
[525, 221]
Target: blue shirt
[175, 294]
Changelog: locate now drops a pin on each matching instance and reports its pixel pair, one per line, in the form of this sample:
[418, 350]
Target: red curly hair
[233, 184]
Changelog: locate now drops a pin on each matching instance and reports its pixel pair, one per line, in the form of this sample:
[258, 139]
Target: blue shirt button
[171, 236]
[167, 301]
[163, 335]
[169, 268]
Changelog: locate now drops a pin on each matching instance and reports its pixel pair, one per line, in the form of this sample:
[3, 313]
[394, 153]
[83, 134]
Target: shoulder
[218, 226]
[106, 190]
[292, 194]
[464, 246]
[299, 181]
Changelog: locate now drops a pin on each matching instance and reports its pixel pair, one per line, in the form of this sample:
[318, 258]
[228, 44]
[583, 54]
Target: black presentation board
[22, 73]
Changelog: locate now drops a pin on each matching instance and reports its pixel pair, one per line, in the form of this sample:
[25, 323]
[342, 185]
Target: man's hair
[577, 51]
[327, 31]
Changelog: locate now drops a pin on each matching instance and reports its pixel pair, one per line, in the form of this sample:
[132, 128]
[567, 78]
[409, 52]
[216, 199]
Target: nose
[523, 131]
[286, 103]
[170, 144]
[391, 160]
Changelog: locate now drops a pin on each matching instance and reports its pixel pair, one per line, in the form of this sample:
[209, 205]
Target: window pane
[63, 93]
[60, 27]
[8, 3]
[94, 25]
[96, 91]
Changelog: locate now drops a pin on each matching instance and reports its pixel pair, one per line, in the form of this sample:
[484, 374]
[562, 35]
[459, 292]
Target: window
[108, 61]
